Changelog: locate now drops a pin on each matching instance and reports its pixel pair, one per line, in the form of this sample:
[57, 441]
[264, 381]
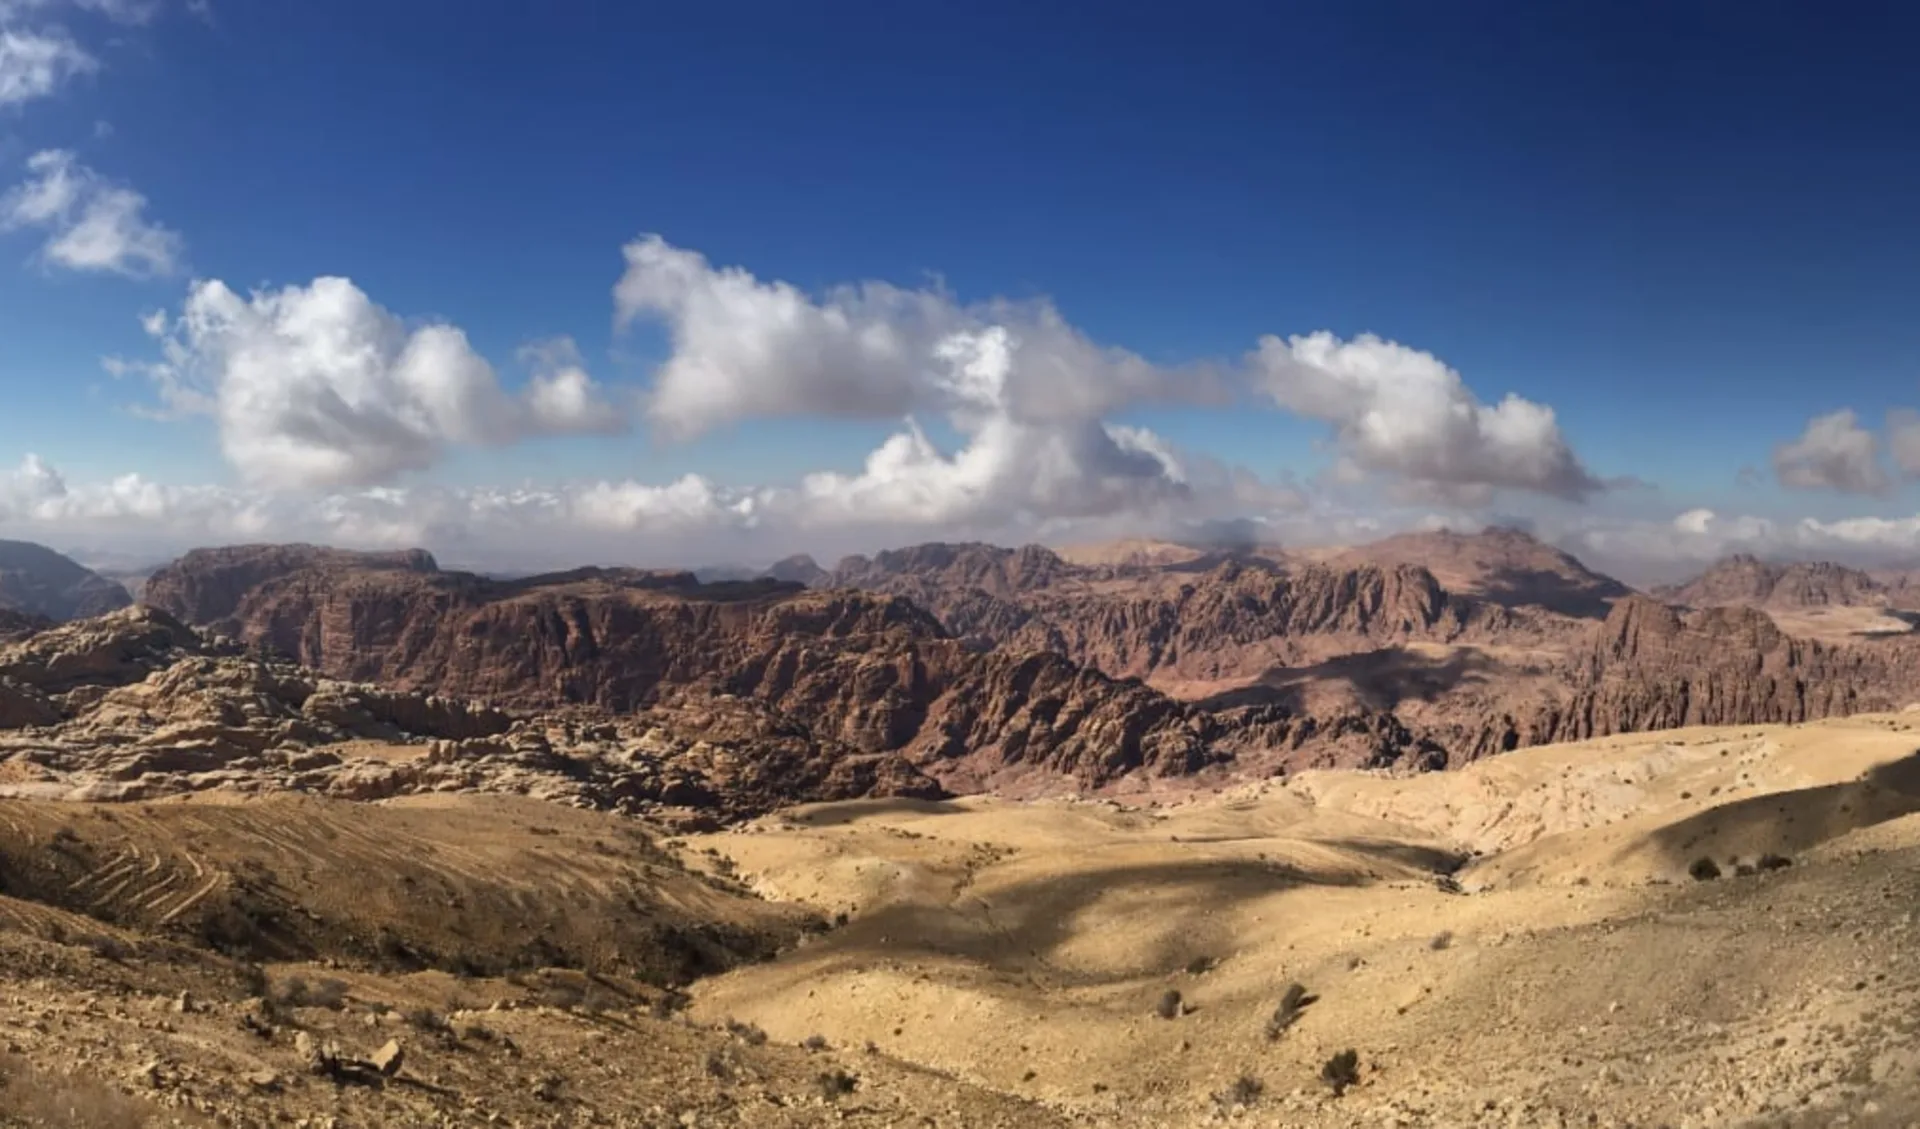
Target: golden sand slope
[1581, 978]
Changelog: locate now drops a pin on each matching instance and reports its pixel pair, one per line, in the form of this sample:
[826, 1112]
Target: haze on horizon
[540, 286]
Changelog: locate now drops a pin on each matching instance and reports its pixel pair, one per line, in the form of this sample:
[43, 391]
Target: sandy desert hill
[1532, 940]
[1520, 942]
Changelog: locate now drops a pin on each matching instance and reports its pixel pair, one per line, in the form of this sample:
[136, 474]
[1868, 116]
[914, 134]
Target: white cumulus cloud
[92, 224]
[743, 347]
[34, 64]
[561, 396]
[1903, 440]
[1401, 412]
[318, 386]
[1695, 522]
[1833, 453]
[118, 11]
[1009, 468]
[1024, 390]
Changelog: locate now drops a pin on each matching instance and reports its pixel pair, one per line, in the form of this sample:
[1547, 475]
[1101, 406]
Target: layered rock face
[1235, 618]
[872, 672]
[1652, 666]
[207, 586]
[980, 667]
[135, 704]
[35, 581]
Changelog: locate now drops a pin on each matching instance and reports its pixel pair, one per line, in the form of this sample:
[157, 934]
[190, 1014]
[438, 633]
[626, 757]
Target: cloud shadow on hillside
[1799, 820]
[1523, 587]
[1018, 931]
[850, 811]
[1379, 680]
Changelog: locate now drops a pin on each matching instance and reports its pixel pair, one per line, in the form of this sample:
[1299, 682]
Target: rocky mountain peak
[797, 569]
[1638, 625]
[1746, 580]
[36, 581]
[207, 585]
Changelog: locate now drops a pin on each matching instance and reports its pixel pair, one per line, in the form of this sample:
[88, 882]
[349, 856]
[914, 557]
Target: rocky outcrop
[977, 667]
[206, 586]
[1651, 666]
[872, 673]
[797, 569]
[124, 646]
[19, 625]
[1506, 567]
[1235, 619]
[135, 705]
[36, 581]
[1747, 581]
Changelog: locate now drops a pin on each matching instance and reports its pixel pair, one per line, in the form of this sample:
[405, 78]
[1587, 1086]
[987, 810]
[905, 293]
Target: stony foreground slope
[247, 964]
[1535, 940]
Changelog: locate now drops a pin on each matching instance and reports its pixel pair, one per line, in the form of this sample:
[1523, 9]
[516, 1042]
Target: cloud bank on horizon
[331, 410]
[1006, 421]
[329, 407]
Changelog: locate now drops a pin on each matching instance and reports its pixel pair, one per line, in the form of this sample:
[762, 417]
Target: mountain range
[1138, 666]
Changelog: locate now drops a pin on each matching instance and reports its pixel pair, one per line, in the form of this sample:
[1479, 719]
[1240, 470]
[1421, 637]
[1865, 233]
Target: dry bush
[1341, 1071]
[1244, 1092]
[747, 1033]
[835, 1084]
[1441, 940]
[328, 993]
[253, 981]
[1287, 1010]
[1703, 869]
[597, 998]
[298, 991]
[108, 947]
[1168, 1006]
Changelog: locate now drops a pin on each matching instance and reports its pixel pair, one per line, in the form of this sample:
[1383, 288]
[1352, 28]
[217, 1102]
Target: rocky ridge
[38, 582]
[135, 705]
[1016, 670]
[1506, 567]
[870, 671]
[1513, 667]
[1746, 581]
[1651, 666]
[1209, 619]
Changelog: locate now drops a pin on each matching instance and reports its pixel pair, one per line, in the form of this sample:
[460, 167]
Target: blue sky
[1686, 228]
